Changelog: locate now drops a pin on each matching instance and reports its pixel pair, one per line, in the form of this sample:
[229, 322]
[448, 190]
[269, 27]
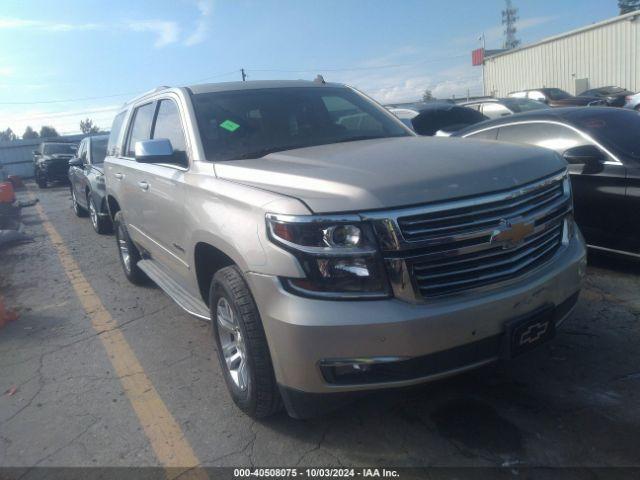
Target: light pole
[482, 40]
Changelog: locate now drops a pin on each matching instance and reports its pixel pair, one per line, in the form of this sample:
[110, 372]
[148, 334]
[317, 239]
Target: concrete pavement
[573, 402]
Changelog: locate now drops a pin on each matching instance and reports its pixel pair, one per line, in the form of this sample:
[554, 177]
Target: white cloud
[7, 23]
[202, 23]
[166, 31]
[65, 122]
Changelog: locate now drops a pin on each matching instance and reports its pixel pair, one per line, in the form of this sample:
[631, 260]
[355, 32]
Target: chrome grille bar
[449, 247]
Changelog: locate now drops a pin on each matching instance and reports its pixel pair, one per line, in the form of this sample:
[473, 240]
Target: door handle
[118, 175]
[143, 185]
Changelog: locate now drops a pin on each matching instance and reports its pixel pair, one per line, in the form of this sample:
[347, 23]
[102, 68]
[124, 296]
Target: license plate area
[526, 333]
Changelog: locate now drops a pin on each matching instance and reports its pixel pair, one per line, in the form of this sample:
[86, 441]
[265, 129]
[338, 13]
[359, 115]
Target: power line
[128, 94]
[244, 75]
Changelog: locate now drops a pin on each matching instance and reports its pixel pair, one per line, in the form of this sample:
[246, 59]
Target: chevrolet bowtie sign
[510, 234]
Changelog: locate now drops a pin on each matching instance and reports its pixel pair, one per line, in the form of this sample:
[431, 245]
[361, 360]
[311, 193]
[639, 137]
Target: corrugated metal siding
[607, 54]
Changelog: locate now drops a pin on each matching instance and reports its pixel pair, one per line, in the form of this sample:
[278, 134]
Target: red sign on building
[477, 57]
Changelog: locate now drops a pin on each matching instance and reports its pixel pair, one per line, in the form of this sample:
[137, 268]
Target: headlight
[339, 256]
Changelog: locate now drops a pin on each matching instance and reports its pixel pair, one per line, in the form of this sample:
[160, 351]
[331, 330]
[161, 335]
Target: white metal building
[598, 55]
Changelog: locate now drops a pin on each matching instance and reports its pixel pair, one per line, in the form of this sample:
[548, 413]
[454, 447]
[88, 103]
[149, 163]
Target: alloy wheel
[232, 343]
[93, 214]
[123, 248]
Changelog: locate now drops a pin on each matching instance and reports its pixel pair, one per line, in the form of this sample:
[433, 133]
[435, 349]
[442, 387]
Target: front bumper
[463, 329]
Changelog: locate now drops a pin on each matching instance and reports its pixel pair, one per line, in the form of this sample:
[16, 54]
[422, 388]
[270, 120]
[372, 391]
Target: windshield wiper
[266, 151]
[360, 137]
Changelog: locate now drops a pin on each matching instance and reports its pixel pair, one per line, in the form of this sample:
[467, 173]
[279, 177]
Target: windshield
[556, 94]
[617, 129]
[58, 148]
[98, 150]
[253, 123]
[518, 105]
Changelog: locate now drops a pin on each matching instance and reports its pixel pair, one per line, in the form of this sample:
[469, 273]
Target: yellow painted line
[165, 435]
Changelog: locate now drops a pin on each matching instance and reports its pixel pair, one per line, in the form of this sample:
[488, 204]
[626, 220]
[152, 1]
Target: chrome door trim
[612, 250]
[552, 122]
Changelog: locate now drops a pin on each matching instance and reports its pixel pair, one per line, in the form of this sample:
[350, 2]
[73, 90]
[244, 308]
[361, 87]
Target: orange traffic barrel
[7, 194]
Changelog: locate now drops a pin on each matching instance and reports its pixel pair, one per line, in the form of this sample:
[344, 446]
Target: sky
[67, 60]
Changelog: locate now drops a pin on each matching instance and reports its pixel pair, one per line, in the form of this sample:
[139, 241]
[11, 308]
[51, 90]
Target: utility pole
[484, 52]
[244, 75]
[509, 19]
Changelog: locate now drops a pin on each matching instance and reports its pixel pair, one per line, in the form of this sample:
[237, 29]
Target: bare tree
[87, 126]
[29, 133]
[427, 96]
[627, 6]
[7, 136]
[48, 132]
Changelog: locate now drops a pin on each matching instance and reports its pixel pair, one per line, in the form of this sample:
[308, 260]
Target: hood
[392, 172]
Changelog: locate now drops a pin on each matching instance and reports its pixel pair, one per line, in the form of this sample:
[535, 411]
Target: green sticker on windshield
[229, 125]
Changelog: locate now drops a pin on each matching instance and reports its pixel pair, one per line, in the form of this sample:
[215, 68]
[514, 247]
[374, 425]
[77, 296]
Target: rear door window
[495, 110]
[169, 126]
[140, 127]
[114, 136]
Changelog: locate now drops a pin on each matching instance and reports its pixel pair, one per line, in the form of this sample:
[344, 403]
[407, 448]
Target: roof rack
[142, 95]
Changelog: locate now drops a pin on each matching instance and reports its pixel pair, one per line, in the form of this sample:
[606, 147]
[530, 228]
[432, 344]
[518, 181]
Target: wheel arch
[113, 206]
[207, 260]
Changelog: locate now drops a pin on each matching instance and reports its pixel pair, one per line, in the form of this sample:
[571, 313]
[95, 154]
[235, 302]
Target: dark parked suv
[51, 162]
[87, 182]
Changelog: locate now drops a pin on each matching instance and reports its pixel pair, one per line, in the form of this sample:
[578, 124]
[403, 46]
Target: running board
[184, 299]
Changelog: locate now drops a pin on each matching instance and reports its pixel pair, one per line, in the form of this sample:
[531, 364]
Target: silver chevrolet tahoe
[334, 250]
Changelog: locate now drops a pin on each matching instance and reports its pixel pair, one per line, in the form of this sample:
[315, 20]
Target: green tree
[29, 133]
[627, 6]
[48, 132]
[7, 136]
[87, 126]
[427, 96]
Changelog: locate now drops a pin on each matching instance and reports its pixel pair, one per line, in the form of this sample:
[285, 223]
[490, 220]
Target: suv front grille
[461, 245]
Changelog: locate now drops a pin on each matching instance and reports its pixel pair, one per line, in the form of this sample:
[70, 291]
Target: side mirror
[36, 153]
[75, 162]
[588, 155]
[158, 150]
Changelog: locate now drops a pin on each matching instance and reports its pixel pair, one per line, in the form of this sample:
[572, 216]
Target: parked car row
[333, 249]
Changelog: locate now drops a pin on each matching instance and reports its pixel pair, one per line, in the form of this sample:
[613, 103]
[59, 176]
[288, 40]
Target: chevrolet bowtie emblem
[510, 234]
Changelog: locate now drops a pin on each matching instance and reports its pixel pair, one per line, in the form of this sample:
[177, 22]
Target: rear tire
[41, 181]
[77, 209]
[101, 223]
[128, 253]
[238, 331]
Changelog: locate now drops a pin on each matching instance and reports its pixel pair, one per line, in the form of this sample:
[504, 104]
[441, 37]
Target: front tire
[242, 346]
[77, 209]
[41, 181]
[128, 253]
[101, 223]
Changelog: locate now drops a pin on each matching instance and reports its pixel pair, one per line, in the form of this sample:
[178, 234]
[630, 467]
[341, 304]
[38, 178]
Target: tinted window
[486, 135]
[253, 123]
[548, 135]
[82, 151]
[616, 129]
[98, 150]
[495, 110]
[141, 127]
[518, 105]
[556, 94]
[169, 126]
[58, 148]
[116, 127]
